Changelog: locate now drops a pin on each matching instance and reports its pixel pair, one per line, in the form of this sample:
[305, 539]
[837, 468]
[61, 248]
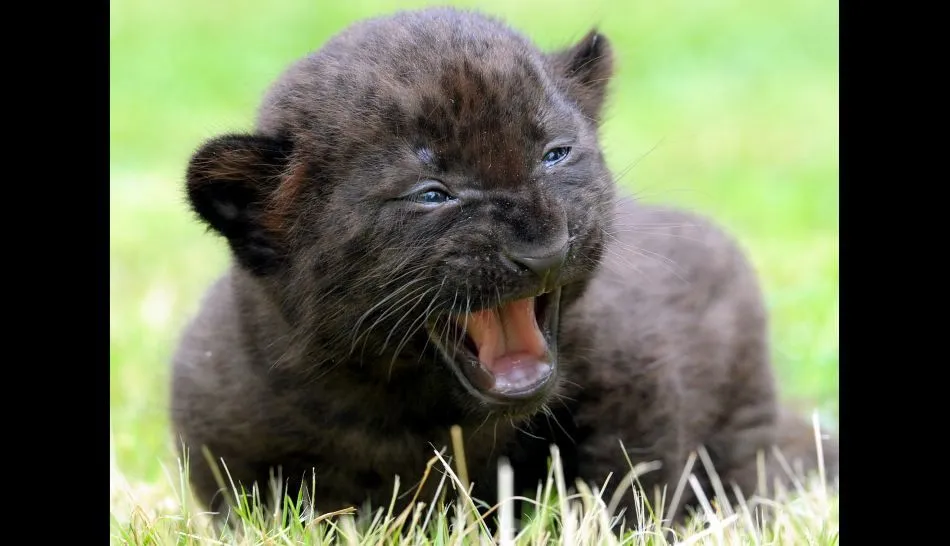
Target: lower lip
[486, 386]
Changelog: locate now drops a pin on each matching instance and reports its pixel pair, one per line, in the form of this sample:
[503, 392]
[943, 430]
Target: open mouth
[505, 354]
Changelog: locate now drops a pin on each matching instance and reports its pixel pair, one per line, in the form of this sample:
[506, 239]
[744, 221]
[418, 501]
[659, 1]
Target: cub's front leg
[632, 431]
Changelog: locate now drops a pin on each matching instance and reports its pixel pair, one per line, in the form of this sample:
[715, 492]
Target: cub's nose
[544, 266]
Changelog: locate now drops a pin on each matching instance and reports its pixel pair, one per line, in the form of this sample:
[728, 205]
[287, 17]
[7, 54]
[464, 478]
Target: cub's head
[422, 198]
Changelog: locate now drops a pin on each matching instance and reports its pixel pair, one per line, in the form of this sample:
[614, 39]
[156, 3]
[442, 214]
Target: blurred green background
[729, 107]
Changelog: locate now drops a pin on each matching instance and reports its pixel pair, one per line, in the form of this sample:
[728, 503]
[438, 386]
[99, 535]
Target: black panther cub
[424, 233]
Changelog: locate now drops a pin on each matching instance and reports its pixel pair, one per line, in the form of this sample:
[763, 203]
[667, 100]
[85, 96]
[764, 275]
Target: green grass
[728, 107]
[554, 513]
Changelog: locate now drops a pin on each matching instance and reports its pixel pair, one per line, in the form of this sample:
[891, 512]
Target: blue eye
[431, 197]
[555, 155]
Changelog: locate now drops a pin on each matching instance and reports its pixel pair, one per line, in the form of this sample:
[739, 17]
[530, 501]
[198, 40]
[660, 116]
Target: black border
[882, 215]
[56, 259]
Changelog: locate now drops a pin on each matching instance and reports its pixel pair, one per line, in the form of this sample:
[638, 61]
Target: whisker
[392, 330]
[423, 317]
[381, 302]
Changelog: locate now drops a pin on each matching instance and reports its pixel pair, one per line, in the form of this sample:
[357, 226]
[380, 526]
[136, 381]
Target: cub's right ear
[230, 180]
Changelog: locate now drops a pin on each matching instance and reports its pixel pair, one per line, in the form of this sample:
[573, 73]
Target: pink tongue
[510, 344]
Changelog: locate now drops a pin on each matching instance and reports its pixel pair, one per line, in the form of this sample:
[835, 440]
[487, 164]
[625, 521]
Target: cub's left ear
[586, 67]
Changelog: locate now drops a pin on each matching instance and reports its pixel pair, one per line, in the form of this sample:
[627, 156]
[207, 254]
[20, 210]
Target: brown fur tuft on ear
[586, 67]
[230, 180]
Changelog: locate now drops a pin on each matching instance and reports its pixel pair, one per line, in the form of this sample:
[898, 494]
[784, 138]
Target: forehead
[487, 113]
[474, 94]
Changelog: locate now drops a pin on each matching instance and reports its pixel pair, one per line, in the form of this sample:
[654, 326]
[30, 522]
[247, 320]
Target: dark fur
[308, 353]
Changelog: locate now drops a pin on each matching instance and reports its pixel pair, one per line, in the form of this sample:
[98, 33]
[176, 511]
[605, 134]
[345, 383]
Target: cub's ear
[230, 180]
[586, 67]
